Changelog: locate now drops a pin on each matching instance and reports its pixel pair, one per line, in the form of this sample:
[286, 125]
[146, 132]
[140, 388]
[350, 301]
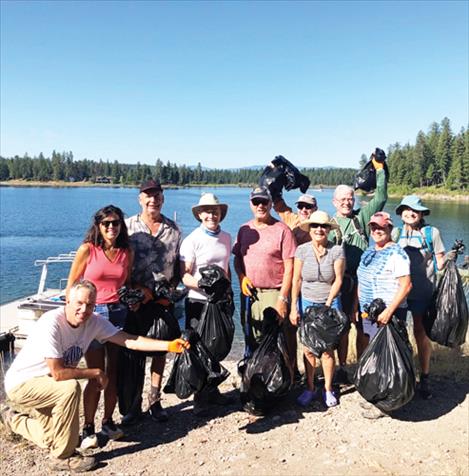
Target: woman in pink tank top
[104, 258]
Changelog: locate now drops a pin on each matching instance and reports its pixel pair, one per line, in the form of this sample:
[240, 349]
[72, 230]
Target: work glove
[377, 158]
[178, 345]
[246, 286]
[451, 255]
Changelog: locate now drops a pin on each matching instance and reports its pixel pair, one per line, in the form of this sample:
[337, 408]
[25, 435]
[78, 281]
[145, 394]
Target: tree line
[439, 158]
[63, 167]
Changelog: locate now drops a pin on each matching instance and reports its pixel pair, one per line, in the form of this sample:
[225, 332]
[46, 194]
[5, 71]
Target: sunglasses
[108, 223]
[319, 225]
[377, 228]
[259, 201]
[307, 206]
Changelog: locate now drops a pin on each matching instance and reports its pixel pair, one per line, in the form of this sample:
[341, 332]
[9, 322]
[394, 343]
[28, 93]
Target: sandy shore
[424, 437]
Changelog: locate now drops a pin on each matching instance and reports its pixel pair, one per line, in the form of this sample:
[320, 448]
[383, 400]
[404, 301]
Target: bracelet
[283, 298]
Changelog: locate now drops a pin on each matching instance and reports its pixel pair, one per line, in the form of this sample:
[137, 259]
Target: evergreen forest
[438, 158]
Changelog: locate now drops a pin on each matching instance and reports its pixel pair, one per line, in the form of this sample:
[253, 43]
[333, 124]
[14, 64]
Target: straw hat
[209, 200]
[319, 217]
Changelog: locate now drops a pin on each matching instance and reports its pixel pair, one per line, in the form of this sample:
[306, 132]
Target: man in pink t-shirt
[264, 252]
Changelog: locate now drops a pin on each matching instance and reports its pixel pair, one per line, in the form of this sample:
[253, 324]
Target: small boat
[19, 317]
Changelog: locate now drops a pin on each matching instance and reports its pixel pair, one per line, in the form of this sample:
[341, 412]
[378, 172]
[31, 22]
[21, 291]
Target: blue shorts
[304, 303]
[115, 313]
[371, 328]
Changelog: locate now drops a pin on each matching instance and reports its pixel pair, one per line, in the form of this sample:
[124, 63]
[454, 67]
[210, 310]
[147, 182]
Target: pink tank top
[108, 276]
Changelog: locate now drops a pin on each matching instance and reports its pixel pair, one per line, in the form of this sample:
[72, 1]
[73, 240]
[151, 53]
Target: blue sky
[229, 83]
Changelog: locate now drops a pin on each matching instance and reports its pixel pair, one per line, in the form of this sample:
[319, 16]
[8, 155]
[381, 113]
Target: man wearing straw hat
[208, 244]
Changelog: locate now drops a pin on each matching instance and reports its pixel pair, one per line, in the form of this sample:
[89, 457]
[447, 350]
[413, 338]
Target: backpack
[340, 238]
[426, 241]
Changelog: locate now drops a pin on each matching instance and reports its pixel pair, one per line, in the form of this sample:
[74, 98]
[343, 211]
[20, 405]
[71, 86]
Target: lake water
[40, 222]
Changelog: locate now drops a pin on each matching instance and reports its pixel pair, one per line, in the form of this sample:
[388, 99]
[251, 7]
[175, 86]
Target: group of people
[304, 259]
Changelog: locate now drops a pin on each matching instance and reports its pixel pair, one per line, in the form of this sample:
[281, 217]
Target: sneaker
[306, 398]
[89, 438]
[424, 389]
[158, 413]
[330, 399]
[76, 463]
[251, 408]
[374, 414]
[217, 398]
[341, 376]
[131, 418]
[112, 431]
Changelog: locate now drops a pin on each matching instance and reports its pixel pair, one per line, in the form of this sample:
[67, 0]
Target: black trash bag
[7, 349]
[447, 318]
[129, 297]
[216, 327]
[281, 173]
[385, 374]
[164, 326]
[365, 179]
[130, 369]
[213, 282]
[194, 369]
[321, 329]
[267, 375]
[130, 379]
[163, 290]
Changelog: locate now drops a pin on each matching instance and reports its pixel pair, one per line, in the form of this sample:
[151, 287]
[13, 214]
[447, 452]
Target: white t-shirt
[203, 249]
[55, 338]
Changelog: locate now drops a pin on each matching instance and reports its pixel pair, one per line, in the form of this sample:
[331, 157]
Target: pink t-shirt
[108, 276]
[263, 251]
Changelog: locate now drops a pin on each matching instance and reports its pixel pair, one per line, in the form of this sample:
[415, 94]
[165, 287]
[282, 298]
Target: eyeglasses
[211, 211]
[308, 206]
[259, 201]
[319, 225]
[108, 223]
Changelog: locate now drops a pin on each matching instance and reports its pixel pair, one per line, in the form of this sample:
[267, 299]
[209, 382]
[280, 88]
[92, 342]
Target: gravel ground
[424, 437]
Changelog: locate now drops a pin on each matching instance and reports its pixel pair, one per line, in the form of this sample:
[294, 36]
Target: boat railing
[61, 258]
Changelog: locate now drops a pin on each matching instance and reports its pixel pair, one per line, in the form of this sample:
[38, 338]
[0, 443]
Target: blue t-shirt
[378, 274]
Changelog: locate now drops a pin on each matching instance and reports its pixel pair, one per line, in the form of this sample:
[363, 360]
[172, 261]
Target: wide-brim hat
[320, 218]
[209, 200]
[414, 202]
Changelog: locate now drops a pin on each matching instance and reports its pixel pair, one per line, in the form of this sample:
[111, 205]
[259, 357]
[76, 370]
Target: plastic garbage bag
[194, 369]
[447, 318]
[7, 349]
[365, 179]
[281, 173]
[130, 379]
[215, 326]
[267, 374]
[321, 329]
[164, 326]
[385, 374]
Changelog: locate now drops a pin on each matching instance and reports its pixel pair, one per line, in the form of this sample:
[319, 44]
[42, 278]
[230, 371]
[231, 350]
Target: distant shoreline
[432, 195]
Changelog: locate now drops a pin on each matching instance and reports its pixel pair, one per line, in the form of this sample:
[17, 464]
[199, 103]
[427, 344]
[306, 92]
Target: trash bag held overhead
[267, 375]
[447, 318]
[385, 374]
[366, 178]
[194, 369]
[281, 173]
[321, 329]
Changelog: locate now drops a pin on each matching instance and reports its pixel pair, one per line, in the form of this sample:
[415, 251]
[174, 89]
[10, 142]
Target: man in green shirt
[353, 234]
